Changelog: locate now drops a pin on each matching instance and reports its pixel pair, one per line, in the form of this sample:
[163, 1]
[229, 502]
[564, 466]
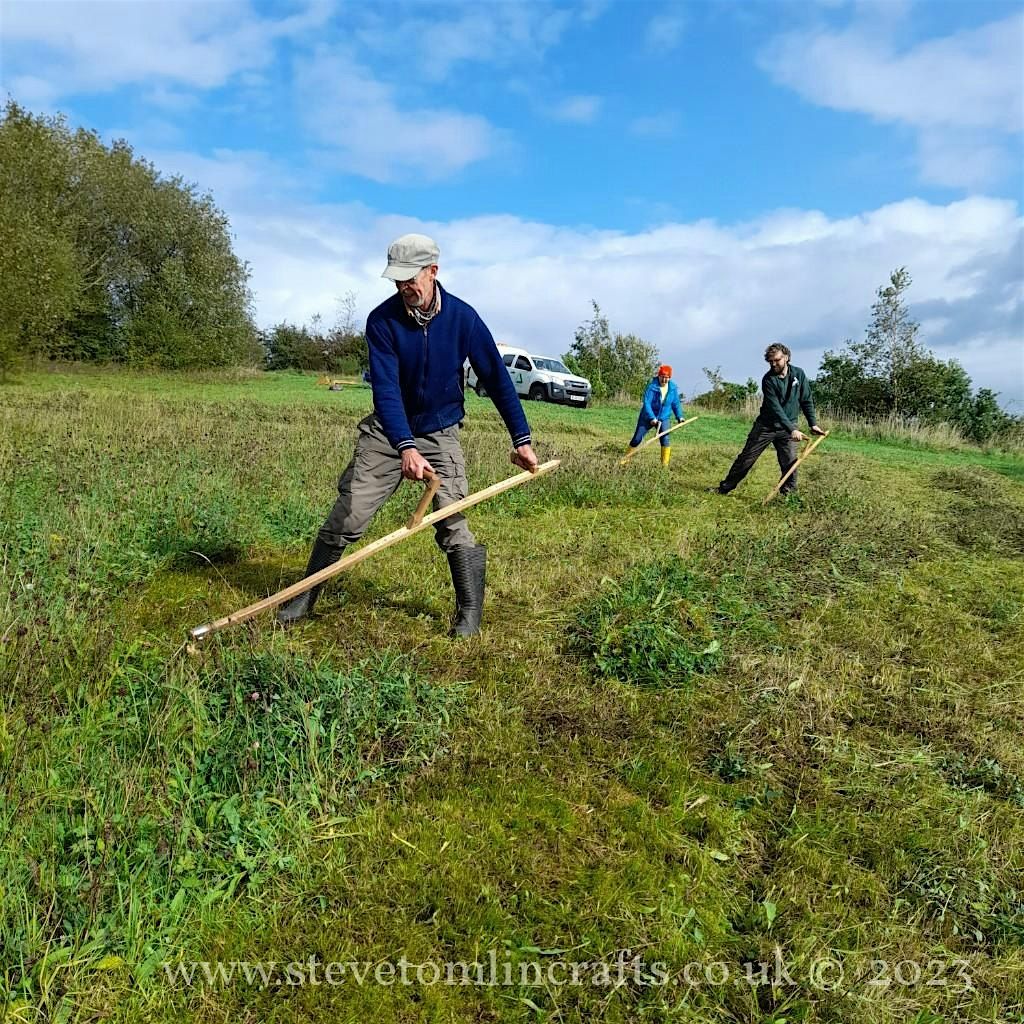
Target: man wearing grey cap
[419, 340]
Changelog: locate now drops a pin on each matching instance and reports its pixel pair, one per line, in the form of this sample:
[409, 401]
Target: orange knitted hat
[667, 370]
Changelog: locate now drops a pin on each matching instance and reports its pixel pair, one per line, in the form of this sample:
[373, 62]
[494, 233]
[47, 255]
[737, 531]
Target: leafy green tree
[843, 384]
[40, 273]
[614, 364]
[724, 394]
[296, 348]
[185, 281]
[890, 349]
[342, 349]
[346, 353]
[931, 389]
[103, 258]
[983, 420]
[872, 376]
[891, 373]
[345, 342]
[934, 390]
[590, 351]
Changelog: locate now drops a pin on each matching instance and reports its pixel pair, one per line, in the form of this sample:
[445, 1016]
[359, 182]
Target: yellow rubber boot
[666, 454]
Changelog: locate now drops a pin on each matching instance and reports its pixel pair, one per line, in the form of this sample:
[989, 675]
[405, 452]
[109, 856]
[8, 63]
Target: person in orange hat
[661, 400]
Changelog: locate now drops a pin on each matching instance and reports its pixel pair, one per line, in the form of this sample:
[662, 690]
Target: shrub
[650, 628]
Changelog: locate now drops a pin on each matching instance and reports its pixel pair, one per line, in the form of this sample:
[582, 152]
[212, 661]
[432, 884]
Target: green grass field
[725, 762]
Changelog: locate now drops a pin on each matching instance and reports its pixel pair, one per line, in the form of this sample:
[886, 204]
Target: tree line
[888, 374]
[891, 373]
[105, 259]
[339, 349]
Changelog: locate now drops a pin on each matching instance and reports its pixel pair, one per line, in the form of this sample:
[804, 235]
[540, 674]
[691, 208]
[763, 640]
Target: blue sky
[716, 175]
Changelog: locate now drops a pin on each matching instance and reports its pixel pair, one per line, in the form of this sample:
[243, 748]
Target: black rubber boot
[469, 572]
[299, 607]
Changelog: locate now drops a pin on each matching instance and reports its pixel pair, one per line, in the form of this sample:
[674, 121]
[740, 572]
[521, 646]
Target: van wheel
[537, 393]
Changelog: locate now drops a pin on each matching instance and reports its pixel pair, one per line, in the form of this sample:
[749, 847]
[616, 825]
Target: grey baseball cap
[408, 255]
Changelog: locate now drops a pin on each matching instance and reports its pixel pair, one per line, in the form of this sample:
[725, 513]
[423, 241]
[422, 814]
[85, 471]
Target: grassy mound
[654, 628]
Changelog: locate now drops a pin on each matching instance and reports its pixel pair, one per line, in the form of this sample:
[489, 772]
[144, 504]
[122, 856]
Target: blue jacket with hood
[654, 409]
[416, 372]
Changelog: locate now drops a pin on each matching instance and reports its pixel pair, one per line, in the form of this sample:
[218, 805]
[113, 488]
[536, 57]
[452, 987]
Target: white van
[539, 378]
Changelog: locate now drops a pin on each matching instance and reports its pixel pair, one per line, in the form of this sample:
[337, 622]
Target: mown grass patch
[986, 513]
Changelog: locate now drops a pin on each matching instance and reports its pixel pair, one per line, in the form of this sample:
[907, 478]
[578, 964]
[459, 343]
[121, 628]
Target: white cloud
[367, 131]
[664, 31]
[704, 293]
[962, 157]
[970, 78]
[361, 123]
[591, 10]
[232, 176]
[576, 109]
[38, 94]
[655, 126]
[504, 34]
[174, 101]
[96, 46]
[963, 92]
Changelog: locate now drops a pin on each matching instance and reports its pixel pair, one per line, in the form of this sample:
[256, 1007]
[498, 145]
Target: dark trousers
[643, 425]
[758, 439]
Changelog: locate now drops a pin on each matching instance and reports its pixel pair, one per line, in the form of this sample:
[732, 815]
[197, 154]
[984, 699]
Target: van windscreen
[553, 365]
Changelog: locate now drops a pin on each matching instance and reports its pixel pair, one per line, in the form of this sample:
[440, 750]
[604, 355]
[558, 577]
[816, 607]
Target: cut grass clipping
[652, 628]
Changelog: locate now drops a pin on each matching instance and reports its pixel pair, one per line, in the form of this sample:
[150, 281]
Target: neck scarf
[424, 316]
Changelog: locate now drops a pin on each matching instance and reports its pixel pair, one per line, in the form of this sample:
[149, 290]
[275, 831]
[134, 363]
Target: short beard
[424, 304]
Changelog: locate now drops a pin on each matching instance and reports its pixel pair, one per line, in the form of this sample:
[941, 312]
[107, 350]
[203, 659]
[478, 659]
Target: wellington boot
[469, 573]
[299, 607]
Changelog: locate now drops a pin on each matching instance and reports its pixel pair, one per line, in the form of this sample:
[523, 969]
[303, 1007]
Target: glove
[655, 423]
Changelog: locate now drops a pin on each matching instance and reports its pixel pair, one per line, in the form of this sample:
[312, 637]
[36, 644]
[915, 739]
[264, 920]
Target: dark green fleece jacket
[784, 397]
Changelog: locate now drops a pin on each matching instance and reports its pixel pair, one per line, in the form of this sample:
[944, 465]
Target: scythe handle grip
[433, 482]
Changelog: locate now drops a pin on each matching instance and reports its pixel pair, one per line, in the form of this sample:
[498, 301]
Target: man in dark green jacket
[786, 393]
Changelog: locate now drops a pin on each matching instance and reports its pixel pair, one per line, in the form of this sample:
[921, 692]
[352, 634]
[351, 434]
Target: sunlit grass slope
[695, 728]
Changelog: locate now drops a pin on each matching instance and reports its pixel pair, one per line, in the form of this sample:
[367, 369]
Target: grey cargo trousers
[757, 441]
[375, 473]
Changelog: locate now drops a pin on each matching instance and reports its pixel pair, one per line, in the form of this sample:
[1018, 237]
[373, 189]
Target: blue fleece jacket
[416, 372]
[653, 408]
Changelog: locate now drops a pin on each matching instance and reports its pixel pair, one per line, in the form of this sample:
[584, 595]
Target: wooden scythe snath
[417, 522]
[651, 440]
[792, 469]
